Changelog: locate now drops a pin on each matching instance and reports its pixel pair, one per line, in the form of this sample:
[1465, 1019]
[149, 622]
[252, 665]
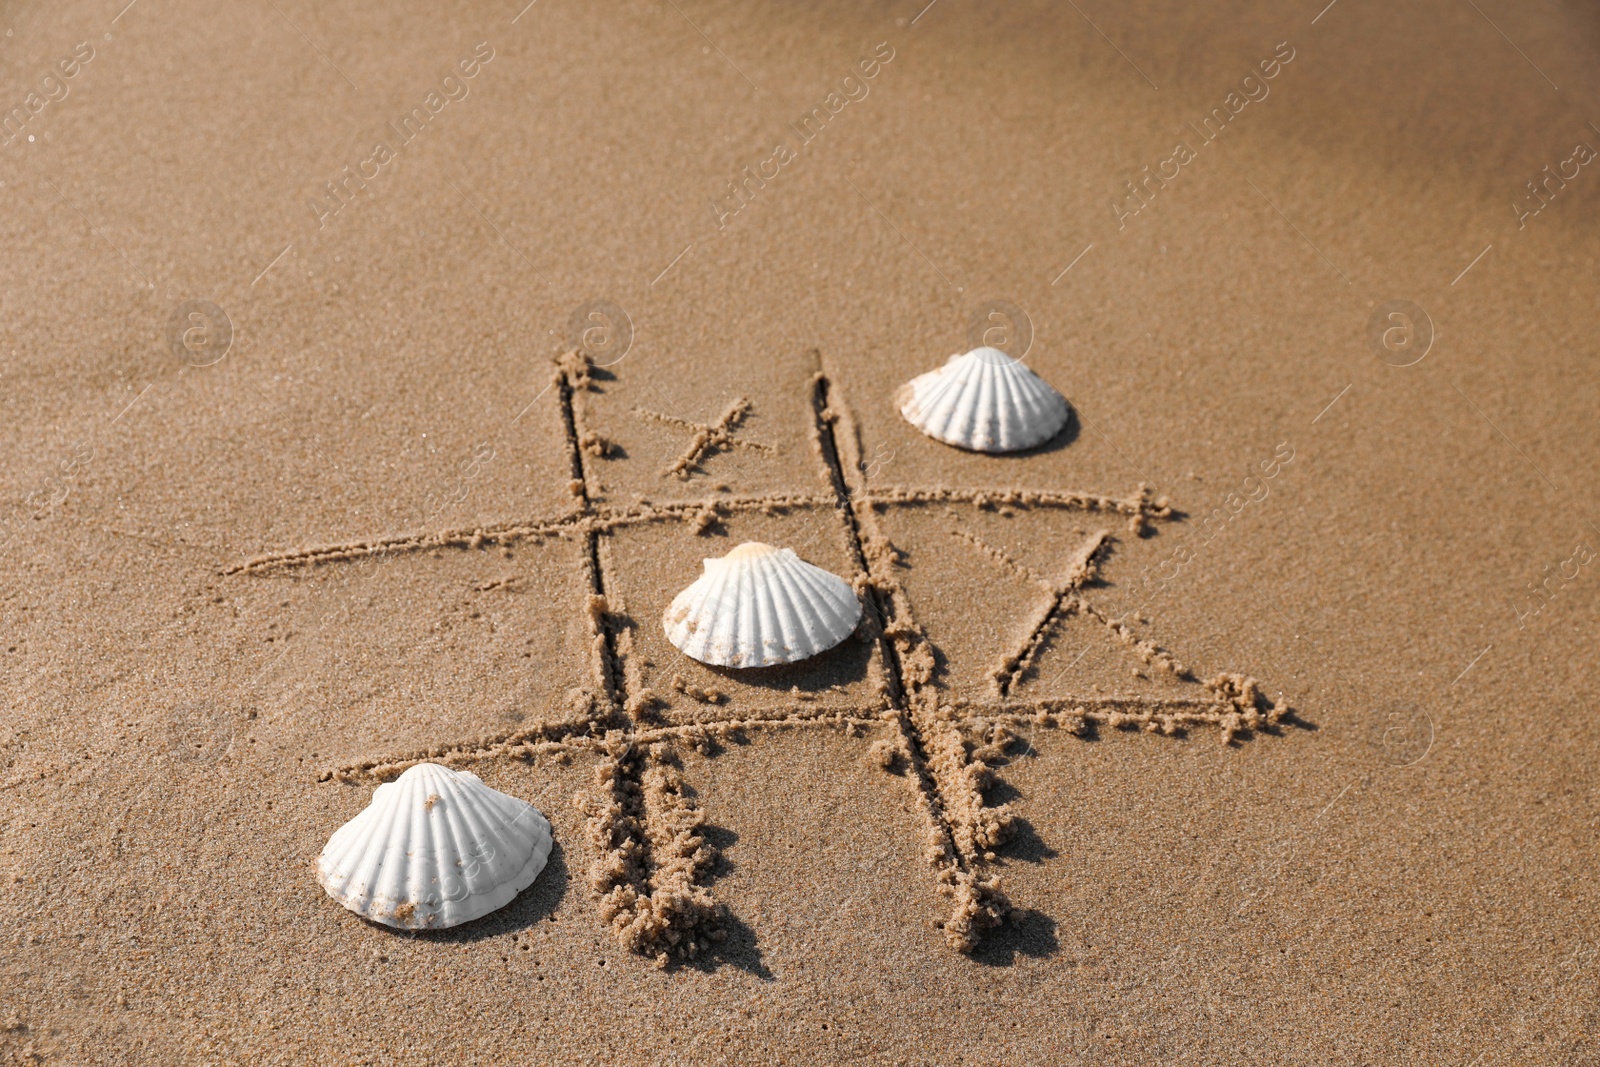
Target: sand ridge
[707, 437]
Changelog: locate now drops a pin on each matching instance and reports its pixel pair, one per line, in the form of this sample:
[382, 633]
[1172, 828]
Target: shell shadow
[845, 663]
[535, 903]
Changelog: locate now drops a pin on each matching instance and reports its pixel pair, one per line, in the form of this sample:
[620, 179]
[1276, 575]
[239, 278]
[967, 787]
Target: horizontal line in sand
[605, 519]
[592, 735]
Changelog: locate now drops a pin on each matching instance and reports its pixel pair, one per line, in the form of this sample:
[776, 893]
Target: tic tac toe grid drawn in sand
[651, 859]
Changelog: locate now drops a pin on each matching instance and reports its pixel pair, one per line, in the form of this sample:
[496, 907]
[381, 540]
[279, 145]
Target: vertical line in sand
[593, 566]
[823, 415]
[664, 908]
[904, 685]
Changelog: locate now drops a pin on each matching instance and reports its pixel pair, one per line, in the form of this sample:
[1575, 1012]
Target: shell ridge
[332, 864]
[798, 635]
[673, 618]
[963, 425]
[432, 846]
[797, 630]
[985, 401]
[841, 610]
[847, 604]
[676, 619]
[457, 840]
[710, 629]
[821, 592]
[347, 845]
[435, 848]
[1032, 397]
[484, 849]
[731, 619]
[361, 866]
[930, 393]
[766, 625]
[484, 827]
[948, 410]
[761, 606]
[1052, 406]
[686, 606]
[420, 845]
[375, 855]
[1016, 396]
[510, 833]
[539, 836]
[988, 412]
[369, 871]
[917, 397]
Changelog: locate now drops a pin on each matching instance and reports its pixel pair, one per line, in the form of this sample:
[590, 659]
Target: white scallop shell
[759, 606]
[984, 401]
[435, 848]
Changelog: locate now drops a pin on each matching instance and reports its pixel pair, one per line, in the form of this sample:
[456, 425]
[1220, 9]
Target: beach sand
[1261, 700]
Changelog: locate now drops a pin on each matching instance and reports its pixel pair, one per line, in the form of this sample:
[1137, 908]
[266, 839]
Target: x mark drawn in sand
[651, 859]
[708, 440]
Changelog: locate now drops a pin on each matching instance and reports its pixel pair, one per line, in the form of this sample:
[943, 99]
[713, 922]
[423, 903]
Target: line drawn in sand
[651, 856]
[708, 439]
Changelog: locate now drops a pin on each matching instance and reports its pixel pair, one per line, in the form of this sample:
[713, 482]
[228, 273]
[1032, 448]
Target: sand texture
[374, 376]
